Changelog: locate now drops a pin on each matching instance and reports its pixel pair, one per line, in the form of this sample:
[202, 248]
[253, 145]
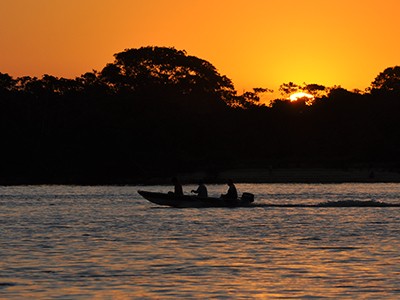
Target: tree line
[158, 111]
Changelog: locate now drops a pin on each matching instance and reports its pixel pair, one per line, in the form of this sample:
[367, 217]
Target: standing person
[178, 191]
[232, 192]
[201, 190]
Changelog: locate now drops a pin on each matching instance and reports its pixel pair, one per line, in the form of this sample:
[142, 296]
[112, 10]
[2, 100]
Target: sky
[256, 43]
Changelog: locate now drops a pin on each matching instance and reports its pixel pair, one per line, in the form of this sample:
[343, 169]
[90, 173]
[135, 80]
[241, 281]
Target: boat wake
[341, 203]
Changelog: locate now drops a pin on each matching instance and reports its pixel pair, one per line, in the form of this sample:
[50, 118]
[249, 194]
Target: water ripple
[61, 242]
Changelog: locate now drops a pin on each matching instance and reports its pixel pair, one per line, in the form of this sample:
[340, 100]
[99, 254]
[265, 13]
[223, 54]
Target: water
[74, 242]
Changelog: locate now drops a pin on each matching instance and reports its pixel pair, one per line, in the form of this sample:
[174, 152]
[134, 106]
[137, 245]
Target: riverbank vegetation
[158, 111]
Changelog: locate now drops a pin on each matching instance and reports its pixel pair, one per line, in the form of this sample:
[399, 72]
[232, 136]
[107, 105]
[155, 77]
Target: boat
[188, 201]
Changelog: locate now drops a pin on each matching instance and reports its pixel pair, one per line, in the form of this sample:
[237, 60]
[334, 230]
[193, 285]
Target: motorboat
[186, 201]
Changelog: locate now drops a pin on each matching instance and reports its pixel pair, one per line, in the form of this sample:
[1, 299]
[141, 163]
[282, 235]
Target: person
[201, 190]
[178, 191]
[232, 192]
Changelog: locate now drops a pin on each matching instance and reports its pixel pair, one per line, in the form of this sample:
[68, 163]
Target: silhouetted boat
[185, 201]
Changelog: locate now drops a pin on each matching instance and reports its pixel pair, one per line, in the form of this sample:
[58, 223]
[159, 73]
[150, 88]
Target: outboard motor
[248, 197]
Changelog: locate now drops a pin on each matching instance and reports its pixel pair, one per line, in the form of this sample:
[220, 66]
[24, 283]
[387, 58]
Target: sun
[300, 95]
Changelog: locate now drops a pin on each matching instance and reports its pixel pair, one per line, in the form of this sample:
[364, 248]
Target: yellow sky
[256, 43]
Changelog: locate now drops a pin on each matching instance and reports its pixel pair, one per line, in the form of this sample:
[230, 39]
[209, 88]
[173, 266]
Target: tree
[251, 99]
[7, 83]
[287, 89]
[387, 81]
[314, 89]
[155, 69]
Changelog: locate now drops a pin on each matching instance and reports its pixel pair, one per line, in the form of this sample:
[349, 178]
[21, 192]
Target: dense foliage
[157, 111]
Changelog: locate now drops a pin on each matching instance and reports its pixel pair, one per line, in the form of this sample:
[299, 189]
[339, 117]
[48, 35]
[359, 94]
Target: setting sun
[300, 95]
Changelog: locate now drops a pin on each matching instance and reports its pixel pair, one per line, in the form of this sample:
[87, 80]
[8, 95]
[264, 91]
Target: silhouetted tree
[387, 81]
[160, 70]
[289, 88]
[250, 99]
[7, 83]
[314, 89]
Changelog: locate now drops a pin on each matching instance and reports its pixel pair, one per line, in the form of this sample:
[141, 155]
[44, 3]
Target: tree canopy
[155, 111]
[160, 69]
[387, 81]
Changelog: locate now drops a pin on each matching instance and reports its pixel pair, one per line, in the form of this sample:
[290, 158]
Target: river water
[106, 242]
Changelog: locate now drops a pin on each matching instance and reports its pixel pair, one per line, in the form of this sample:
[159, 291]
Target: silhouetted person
[178, 191]
[232, 192]
[201, 190]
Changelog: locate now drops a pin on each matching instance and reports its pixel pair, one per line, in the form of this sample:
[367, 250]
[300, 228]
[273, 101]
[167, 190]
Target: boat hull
[187, 201]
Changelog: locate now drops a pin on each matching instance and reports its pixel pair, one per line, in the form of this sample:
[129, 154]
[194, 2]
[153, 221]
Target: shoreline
[289, 175]
[253, 175]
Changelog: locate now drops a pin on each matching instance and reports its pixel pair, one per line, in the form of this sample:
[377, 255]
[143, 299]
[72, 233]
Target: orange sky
[256, 43]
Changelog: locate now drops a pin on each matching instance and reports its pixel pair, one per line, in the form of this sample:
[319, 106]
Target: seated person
[232, 192]
[201, 190]
[178, 191]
